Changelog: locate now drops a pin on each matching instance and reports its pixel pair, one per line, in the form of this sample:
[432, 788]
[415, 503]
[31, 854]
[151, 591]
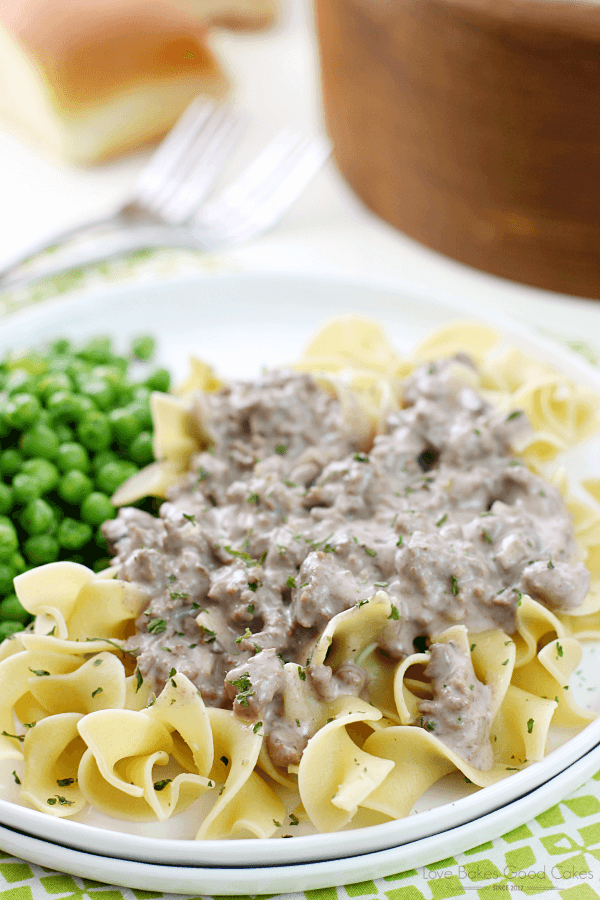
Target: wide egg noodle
[473, 338]
[520, 729]
[406, 691]
[169, 796]
[245, 803]
[152, 481]
[104, 609]
[548, 676]
[181, 710]
[357, 343]
[348, 632]
[15, 674]
[50, 594]
[335, 776]
[381, 669]
[53, 751]
[99, 683]
[534, 622]
[113, 736]
[202, 377]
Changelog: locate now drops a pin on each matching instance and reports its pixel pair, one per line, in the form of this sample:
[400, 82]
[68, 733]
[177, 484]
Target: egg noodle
[101, 738]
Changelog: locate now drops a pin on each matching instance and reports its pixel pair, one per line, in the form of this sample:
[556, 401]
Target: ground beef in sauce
[289, 519]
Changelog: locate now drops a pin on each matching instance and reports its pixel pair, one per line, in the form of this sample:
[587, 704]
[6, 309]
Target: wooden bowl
[474, 127]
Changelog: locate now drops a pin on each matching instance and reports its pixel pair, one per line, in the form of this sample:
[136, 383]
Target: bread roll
[91, 79]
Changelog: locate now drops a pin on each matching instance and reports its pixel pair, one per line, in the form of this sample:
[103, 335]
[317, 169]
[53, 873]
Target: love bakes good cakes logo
[487, 876]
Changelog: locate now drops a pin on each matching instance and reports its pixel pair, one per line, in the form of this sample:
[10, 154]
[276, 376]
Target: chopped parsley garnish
[244, 637]
[559, 650]
[301, 674]
[157, 626]
[454, 584]
[191, 519]
[550, 564]
[530, 726]
[244, 686]
[97, 691]
[291, 582]
[257, 726]
[179, 595]
[16, 777]
[361, 457]
[253, 498]
[202, 475]
[360, 603]
[250, 608]
[65, 782]
[486, 536]
[505, 663]
[399, 541]
[98, 662]
[281, 449]
[161, 785]
[39, 672]
[172, 675]
[253, 586]
[381, 583]
[514, 415]
[369, 551]
[245, 557]
[395, 614]
[442, 520]
[208, 636]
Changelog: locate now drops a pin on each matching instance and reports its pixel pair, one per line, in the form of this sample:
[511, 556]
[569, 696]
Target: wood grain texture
[474, 127]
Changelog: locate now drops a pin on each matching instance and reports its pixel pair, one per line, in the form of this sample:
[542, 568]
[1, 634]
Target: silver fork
[171, 186]
[249, 206]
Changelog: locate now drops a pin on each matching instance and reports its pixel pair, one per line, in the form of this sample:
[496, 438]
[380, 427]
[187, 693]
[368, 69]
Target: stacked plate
[238, 324]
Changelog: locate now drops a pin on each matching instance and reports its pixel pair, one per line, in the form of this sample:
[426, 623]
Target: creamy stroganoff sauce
[287, 520]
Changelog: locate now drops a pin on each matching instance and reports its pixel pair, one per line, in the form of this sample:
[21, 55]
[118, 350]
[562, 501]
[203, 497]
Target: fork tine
[201, 143]
[201, 172]
[167, 154]
[261, 169]
[231, 218]
[287, 185]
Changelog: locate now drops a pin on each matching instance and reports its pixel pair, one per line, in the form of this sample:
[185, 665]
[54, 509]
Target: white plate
[304, 876]
[240, 323]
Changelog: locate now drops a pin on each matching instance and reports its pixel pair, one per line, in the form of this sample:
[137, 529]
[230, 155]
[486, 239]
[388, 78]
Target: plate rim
[337, 843]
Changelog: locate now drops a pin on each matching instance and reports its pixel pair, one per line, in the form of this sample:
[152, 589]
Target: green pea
[159, 380]
[10, 608]
[141, 394]
[141, 450]
[72, 456]
[38, 517]
[113, 474]
[18, 563]
[26, 360]
[11, 462]
[68, 407]
[60, 346]
[41, 549]
[22, 410]
[125, 425]
[45, 473]
[142, 412]
[7, 573]
[40, 441]
[53, 383]
[143, 347]
[73, 534]
[9, 542]
[19, 381]
[98, 350]
[114, 375]
[26, 488]
[9, 628]
[100, 459]
[74, 487]
[101, 392]
[97, 508]
[94, 431]
[6, 498]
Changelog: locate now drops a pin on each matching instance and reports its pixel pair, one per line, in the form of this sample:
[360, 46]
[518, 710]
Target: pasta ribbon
[52, 751]
[246, 803]
[99, 683]
[335, 776]
[470, 337]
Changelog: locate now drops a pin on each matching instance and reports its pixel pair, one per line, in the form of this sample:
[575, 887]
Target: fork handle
[9, 274]
[112, 246]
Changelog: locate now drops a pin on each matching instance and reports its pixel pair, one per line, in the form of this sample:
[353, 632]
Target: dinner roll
[91, 79]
